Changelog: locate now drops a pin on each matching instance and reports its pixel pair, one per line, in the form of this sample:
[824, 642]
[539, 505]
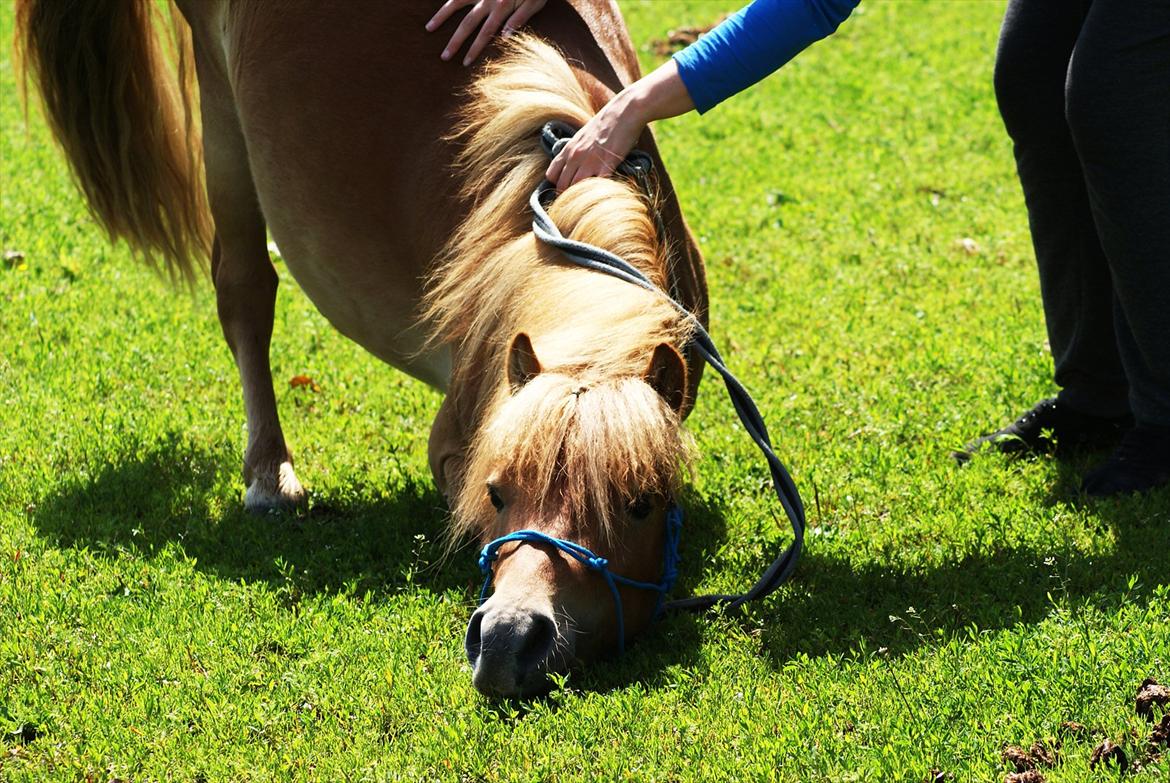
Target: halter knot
[596, 562]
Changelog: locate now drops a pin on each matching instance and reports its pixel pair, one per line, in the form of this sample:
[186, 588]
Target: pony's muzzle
[510, 650]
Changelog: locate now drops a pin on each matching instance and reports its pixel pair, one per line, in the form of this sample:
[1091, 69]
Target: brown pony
[396, 185]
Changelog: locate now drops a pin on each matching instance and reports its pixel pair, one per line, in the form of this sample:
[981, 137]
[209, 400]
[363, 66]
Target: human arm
[753, 43]
[740, 51]
[489, 16]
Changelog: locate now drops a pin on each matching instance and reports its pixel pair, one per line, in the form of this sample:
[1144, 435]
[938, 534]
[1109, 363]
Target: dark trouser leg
[1035, 47]
[1118, 104]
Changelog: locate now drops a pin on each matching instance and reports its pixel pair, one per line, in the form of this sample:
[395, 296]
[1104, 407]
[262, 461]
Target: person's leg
[1031, 66]
[1032, 62]
[1118, 108]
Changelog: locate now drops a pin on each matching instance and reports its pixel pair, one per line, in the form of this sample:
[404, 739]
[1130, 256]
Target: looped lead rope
[638, 164]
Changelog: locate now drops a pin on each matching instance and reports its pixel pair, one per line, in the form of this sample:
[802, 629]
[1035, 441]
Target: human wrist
[633, 105]
[657, 96]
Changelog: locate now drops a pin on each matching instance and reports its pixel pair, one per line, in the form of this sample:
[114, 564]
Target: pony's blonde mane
[587, 431]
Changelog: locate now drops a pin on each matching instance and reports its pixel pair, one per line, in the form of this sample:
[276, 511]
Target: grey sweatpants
[1084, 90]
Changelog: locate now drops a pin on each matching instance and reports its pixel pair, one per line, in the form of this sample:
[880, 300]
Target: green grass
[150, 629]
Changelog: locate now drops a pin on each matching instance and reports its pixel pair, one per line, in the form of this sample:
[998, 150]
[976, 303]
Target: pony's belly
[358, 200]
[373, 302]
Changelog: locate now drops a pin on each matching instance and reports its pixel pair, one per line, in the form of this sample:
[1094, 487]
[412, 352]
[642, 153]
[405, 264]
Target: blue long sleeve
[753, 43]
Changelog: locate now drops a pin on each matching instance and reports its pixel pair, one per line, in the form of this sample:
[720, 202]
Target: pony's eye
[641, 507]
[494, 497]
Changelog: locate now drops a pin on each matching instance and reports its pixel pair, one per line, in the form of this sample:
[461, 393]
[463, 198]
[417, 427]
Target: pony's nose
[509, 650]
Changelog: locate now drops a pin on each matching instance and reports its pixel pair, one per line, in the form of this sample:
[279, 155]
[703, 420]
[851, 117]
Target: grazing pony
[396, 186]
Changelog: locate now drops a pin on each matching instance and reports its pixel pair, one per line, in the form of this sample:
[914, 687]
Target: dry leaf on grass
[303, 381]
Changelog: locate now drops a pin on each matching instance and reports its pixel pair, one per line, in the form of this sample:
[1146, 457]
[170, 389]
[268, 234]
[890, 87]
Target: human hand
[489, 16]
[599, 147]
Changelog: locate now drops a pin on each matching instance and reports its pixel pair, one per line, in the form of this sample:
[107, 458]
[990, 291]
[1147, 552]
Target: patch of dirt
[1108, 753]
[1039, 755]
[1030, 776]
[1043, 755]
[1161, 733]
[1018, 758]
[1149, 695]
[1152, 701]
[680, 38]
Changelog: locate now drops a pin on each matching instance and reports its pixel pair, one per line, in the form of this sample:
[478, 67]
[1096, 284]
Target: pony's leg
[245, 289]
[445, 449]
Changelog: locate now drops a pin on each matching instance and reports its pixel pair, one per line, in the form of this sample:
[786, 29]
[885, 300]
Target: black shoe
[1141, 463]
[1049, 428]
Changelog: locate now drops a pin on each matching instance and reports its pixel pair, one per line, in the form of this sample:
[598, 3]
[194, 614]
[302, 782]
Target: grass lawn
[872, 282]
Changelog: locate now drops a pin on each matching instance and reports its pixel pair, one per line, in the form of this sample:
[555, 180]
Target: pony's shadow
[837, 607]
[153, 500]
[150, 499]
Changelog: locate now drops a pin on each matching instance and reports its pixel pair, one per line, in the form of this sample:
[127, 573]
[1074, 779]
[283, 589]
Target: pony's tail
[125, 119]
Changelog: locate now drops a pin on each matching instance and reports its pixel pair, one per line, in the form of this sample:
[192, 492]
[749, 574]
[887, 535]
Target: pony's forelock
[575, 448]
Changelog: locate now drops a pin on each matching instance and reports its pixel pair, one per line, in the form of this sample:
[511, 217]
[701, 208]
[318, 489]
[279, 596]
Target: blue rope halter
[639, 165]
[674, 517]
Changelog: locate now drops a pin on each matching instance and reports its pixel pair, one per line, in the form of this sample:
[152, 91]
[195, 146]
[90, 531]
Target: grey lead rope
[638, 164]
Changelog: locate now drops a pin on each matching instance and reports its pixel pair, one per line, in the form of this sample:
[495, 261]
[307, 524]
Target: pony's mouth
[512, 649]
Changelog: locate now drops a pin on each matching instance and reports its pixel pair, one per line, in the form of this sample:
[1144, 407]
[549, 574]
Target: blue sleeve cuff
[752, 43]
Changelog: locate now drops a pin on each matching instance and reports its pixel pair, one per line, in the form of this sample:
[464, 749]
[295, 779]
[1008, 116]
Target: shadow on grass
[168, 494]
[840, 607]
[151, 498]
[385, 543]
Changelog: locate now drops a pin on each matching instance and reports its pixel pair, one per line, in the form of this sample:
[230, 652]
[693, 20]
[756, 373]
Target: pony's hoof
[277, 492]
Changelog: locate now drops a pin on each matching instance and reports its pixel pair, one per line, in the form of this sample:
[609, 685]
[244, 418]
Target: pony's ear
[667, 375]
[523, 365]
